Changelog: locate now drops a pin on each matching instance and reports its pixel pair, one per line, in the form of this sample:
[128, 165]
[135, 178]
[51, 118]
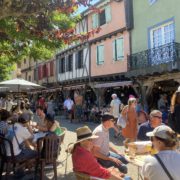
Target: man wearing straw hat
[85, 162]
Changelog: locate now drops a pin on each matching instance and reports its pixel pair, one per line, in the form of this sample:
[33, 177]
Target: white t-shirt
[103, 140]
[115, 105]
[152, 170]
[22, 134]
[68, 103]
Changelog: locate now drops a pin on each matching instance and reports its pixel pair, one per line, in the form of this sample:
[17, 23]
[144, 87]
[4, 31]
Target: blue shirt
[143, 129]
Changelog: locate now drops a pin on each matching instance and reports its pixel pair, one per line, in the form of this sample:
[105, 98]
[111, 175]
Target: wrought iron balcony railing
[161, 55]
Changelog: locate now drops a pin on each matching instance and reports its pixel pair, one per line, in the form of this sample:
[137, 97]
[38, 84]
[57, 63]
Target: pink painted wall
[110, 66]
[117, 20]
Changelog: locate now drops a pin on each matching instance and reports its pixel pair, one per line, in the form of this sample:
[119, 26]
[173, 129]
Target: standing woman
[130, 115]
[174, 117]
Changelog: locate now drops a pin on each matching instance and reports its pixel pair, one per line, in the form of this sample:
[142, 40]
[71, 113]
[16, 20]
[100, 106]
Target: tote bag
[121, 121]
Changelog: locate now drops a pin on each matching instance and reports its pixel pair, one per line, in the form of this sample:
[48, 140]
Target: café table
[138, 161]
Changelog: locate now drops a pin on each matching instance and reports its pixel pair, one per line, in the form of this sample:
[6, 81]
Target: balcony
[162, 58]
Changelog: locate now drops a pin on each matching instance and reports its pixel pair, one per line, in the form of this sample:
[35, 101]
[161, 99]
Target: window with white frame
[162, 34]
[102, 18]
[152, 1]
[118, 49]
[100, 54]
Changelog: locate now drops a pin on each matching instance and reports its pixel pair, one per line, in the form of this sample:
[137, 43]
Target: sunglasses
[159, 117]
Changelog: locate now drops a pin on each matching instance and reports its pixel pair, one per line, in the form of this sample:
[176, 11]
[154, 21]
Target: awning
[78, 86]
[113, 84]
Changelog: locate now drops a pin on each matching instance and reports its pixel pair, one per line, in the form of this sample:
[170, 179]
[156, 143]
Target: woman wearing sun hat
[164, 139]
[83, 159]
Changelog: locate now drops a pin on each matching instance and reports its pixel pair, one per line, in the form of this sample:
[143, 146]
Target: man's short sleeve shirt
[103, 140]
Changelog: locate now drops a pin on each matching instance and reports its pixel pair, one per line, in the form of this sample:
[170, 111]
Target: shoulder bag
[22, 145]
[163, 166]
[122, 121]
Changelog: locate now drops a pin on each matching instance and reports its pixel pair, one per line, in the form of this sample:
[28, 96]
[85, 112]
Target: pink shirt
[85, 162]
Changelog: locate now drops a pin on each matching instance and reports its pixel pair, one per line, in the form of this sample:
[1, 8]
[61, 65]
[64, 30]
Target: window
[118, 49]
[62, 65]
[40, 72]
[29, 79]
[152, 1]
[24, 61]
[35, 74]
[100, 54]
[161, 38]
[45, 71]
[79, 59]
[162, 35]
[51, 68]
[102, 18]
[69, 64]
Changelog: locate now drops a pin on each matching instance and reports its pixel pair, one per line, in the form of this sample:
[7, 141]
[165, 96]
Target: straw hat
[84, 133]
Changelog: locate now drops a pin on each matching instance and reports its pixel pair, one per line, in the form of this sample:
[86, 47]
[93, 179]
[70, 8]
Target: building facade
[155, 48]
[110, 48]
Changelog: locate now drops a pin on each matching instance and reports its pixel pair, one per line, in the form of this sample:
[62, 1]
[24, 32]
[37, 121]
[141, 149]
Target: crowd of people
[20, 124]
[23, 128]
[163, 135]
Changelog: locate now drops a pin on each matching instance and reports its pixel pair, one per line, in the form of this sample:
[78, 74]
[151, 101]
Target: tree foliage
[35, 29]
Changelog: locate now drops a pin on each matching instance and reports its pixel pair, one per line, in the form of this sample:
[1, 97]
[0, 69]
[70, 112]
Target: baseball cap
[162, 132]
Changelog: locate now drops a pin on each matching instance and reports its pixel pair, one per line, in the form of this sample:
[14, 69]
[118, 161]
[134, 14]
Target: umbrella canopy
[19, 85]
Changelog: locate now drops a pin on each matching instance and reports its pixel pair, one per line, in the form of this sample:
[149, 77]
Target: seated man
[83, 159]
[154, 121]
[107, 155]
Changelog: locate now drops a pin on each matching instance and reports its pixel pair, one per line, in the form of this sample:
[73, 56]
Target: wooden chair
[48, 149]
[9, 160]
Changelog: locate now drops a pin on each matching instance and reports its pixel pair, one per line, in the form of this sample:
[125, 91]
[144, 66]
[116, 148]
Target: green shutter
[95, 20]
[108, 13]
[120, 48]
[101, 54]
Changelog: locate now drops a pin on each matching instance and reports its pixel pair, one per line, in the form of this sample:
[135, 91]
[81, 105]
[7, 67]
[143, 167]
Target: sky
[82, 8]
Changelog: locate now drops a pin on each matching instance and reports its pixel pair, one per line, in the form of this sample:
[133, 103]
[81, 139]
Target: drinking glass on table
[33, 125]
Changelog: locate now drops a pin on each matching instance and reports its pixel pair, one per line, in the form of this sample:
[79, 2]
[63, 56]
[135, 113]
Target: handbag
[163, 166]
[121, 121]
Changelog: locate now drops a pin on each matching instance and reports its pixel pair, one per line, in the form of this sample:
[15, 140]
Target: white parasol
[19, 85]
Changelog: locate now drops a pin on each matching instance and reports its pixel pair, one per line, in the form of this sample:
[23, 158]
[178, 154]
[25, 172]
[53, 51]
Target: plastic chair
[9, 160]
[48, 149]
